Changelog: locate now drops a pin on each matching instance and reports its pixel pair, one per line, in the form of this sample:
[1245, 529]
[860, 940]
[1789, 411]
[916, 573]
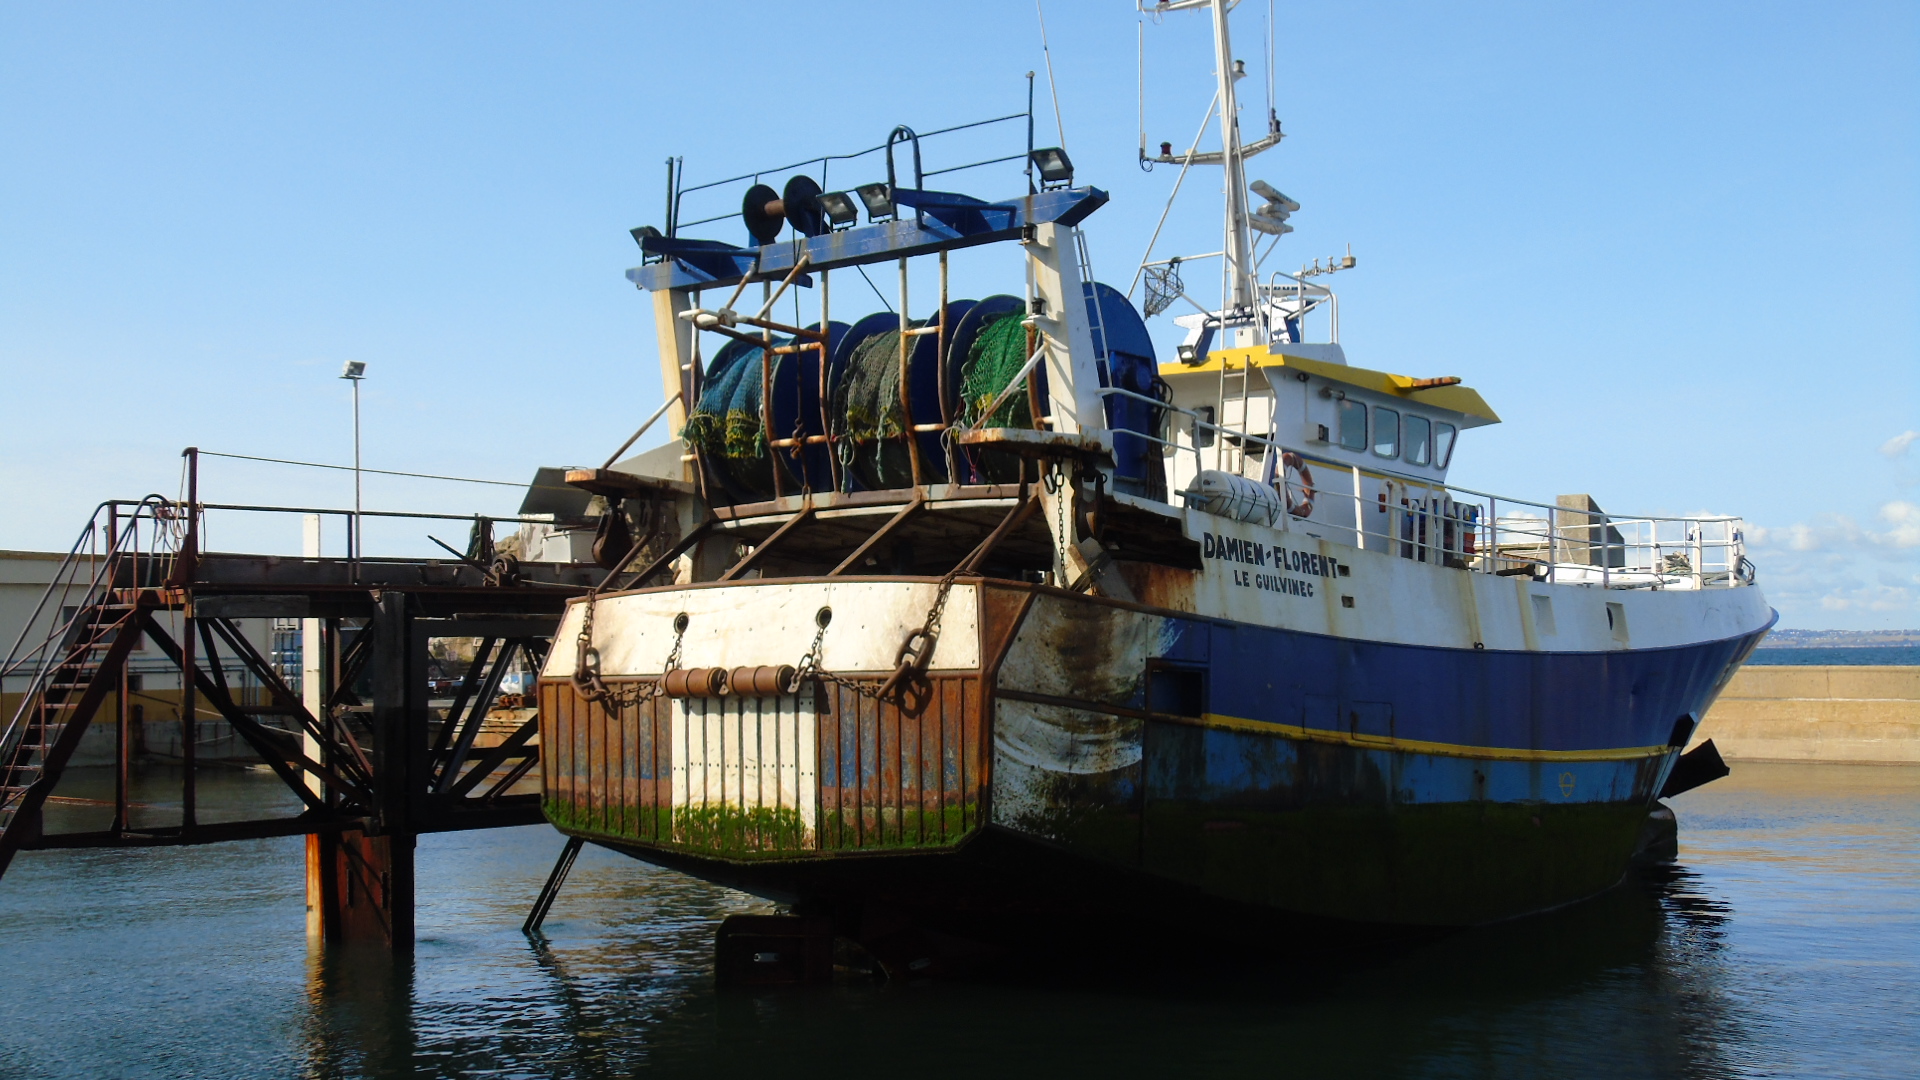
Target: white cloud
[1897, 445]
[1828, 532]
[1905, 519]
[1837, 532]
[1871, 598]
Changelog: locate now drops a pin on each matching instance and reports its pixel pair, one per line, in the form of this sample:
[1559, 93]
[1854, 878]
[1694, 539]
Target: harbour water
[1851, 656]
[1785, 942]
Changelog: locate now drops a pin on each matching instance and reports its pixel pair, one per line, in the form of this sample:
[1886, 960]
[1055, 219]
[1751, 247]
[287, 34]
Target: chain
[1055, 482]
[910, 662]
[586, 668]
[912, 659]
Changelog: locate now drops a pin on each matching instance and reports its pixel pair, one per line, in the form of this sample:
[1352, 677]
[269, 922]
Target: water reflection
[1782, 943]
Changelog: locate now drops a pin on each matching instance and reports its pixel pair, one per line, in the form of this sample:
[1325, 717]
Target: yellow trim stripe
[1413, 746]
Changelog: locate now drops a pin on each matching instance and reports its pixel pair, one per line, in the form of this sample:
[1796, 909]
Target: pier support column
[400, 740]
[360, 884]
[365, 890]
[315, 689]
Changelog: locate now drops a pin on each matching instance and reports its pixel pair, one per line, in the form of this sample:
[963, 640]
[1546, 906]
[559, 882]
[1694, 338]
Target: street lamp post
[353, 372]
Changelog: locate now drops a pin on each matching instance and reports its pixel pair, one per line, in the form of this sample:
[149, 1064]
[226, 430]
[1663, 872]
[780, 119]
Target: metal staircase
[94, 622]
[377, 764]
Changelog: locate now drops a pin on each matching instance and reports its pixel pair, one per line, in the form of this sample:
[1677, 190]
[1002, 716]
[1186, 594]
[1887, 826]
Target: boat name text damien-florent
[1253, 553]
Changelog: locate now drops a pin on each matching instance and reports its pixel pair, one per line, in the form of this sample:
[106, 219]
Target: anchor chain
[910, 662]
[586, 668]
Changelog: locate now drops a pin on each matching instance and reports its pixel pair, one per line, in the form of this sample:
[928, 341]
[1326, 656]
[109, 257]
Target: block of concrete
[1835, 713]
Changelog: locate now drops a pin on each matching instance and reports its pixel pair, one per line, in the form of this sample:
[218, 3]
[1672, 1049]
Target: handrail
[1695, 557]
[89, 571]
[63, 576]
[678, 195]
[1407, 478]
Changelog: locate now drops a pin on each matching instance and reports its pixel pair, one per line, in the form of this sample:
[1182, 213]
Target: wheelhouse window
[1419, 436]
[1353, 425]
[1386, 433]
[1442, 444]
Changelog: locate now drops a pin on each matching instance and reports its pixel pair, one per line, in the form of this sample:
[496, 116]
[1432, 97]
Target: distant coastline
[1851, 648]
[1840, 639]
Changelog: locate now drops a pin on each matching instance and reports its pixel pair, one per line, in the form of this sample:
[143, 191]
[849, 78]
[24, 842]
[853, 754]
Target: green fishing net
[997, 355]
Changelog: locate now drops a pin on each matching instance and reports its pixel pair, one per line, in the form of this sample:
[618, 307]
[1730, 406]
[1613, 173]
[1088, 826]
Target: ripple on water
[1782, 944]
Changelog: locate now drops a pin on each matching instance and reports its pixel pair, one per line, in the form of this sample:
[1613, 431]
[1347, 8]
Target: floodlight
[1054, 165]
[355, 370]
[879, 200]
[644, 233]
[839, 209]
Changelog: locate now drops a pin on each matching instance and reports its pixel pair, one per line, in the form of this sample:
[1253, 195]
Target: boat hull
[1172, 761]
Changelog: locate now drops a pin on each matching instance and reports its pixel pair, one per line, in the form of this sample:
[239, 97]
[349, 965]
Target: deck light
[644, 233]
[839, 208]
[353, 372]
[1054, 165]
[878, 198]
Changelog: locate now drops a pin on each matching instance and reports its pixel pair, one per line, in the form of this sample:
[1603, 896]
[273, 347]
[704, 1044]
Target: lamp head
[839, 208]
[1054, 165]
[355, 370]
[878, 198]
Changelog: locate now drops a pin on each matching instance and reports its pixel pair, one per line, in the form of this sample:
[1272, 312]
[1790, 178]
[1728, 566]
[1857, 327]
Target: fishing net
[726, 426]
[1163, 287]
[706, 427]
[997, 355]
[994, 358]
[867, 412]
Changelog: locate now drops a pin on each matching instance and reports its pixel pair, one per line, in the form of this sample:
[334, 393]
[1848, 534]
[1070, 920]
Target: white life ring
[1296, 484]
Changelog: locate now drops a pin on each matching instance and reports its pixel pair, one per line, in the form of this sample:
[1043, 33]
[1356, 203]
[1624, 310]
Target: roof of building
[49, 556]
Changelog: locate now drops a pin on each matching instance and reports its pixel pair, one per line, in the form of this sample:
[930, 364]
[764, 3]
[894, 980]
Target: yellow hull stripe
[1413, 746]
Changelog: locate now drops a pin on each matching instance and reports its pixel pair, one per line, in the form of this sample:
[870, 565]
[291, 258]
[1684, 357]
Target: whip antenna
[1053, 89]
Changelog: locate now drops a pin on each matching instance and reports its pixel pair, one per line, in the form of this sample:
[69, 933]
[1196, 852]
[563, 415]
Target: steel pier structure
[374, 761]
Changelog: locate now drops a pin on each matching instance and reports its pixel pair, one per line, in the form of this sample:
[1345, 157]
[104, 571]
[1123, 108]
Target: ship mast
[1240, 285]
[1238, 298]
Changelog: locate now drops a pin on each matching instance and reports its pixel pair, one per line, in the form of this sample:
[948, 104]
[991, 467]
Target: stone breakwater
[1818, 713]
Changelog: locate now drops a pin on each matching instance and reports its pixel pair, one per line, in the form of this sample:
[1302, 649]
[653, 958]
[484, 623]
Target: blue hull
[1353, 780]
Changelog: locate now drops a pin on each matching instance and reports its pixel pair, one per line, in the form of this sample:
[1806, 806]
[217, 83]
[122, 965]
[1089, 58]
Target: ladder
[1231, 454]
[73, 681]
[1096, 322]
[1096, 325]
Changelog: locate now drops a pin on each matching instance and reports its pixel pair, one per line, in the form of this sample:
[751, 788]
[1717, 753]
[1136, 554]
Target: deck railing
[1430, 521]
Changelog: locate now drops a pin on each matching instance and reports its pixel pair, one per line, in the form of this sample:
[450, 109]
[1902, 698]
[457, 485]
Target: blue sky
[1673, 245]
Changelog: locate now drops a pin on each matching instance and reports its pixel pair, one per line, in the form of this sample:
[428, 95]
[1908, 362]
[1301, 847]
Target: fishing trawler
[966, 616]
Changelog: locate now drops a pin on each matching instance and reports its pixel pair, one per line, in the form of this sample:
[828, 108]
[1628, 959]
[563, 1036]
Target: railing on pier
[374, 748]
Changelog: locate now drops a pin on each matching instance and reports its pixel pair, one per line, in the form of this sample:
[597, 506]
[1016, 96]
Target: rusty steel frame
[365, 800]
[892, 525]
[752, 558]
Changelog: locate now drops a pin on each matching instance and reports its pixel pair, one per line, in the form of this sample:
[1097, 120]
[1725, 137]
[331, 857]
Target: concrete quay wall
[156, 735]
[1837, 713]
